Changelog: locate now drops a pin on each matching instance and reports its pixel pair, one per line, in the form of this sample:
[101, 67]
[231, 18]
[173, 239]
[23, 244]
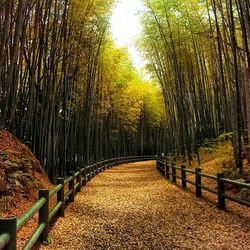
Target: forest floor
[133, 207]
[217, 157]
[21, 176]
[127, 207]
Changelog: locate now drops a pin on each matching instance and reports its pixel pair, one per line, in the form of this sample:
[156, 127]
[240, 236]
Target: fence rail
[10, 227]
[169, 170]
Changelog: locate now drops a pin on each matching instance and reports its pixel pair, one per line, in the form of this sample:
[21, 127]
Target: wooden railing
[10, 227]
[170, 172]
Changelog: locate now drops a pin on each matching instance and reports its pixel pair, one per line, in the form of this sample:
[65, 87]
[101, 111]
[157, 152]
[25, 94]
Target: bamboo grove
[199, 52]
[67, 91]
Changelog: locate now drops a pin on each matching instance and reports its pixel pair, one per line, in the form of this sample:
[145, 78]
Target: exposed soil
[21, 176]
[132, 207]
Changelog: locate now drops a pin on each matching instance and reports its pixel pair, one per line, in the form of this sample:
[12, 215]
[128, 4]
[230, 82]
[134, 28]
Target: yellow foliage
[125, 94]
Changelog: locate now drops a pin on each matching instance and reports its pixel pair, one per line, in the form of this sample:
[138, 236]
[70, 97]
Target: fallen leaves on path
[132, 207]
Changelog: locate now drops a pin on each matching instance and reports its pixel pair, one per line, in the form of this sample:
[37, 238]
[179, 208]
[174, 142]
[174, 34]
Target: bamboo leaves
[194, 48]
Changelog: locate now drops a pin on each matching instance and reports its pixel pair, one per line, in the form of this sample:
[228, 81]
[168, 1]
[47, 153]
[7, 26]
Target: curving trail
[132, 207]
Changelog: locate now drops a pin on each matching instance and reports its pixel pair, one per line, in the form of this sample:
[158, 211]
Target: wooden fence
[10, 227]
[170, 171]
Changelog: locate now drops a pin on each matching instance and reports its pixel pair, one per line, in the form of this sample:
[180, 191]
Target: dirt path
[133, 207]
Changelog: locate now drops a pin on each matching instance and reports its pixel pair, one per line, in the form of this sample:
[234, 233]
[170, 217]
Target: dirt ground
[133, 207]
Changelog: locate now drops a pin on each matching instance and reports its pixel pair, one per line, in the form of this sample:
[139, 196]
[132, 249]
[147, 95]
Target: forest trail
[133, 207]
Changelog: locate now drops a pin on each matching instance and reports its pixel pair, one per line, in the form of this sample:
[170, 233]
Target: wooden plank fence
[169, 171]
[9, 227]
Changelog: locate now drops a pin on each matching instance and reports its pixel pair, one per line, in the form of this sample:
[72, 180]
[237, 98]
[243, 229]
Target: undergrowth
[216, 155]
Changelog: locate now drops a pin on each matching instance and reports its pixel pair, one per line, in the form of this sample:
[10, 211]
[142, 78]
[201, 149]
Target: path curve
[132, 207]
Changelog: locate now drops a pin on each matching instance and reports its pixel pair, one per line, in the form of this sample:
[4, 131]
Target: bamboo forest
[174, 98]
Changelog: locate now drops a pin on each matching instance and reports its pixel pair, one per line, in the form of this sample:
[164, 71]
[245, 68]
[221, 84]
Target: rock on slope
[21, 175]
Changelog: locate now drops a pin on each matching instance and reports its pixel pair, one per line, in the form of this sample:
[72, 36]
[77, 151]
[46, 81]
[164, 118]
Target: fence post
[99, 168]
[79, 180]
[183, 176]
[165, 168]
[91, 172]
[96, 169]
[60, 196]
[72, 187]
[162, 167]
[84, 176]
[197, 182]
[221, 191]
[109, 163]
[43, 215]
[167, 171]
[173, 173]
[9, 226]
[157, 162]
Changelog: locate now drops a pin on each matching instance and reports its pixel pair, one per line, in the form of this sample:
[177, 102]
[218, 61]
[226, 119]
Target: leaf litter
[133, 207]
